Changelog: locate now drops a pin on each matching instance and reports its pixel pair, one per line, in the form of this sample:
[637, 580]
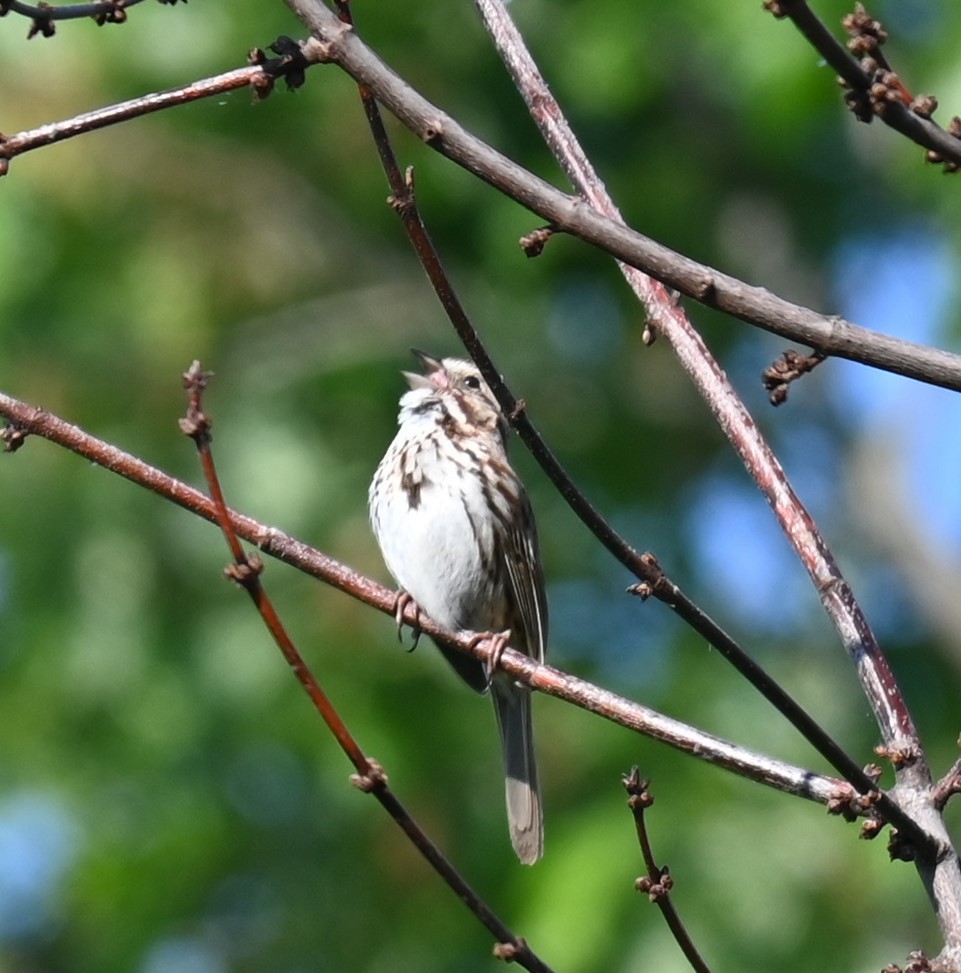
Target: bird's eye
[472, 382]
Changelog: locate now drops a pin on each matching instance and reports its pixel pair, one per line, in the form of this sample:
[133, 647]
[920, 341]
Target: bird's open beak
[434, 376]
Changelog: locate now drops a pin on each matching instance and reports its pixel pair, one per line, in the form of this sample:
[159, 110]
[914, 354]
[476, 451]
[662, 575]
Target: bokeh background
[168, 799]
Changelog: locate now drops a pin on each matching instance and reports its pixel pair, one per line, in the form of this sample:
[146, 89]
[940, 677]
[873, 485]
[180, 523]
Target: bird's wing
[523, 562]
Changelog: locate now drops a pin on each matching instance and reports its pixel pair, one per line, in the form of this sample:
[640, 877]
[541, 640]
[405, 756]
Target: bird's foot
[499, 641]
[400, 606]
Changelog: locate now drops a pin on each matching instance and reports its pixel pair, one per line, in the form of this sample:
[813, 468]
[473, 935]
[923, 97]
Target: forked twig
[892, 104]
[658, 882]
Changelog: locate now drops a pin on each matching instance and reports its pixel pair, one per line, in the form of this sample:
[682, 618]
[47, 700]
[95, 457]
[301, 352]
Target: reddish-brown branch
[657, 883]
[668, 318]
[246, 572]
[13, 145]
[938, 863]
[370, 777]
[30, 420]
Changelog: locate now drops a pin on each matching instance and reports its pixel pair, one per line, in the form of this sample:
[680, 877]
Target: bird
[456, 530]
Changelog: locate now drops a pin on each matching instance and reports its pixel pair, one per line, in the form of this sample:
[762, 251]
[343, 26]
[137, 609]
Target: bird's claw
[400, 606]
[499, 641]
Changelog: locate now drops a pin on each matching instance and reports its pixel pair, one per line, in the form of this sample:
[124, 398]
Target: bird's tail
[512, 705]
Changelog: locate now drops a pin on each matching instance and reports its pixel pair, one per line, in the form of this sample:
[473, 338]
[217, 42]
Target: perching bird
[457, 532]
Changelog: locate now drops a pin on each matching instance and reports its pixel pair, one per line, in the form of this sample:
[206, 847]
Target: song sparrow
[457, 532]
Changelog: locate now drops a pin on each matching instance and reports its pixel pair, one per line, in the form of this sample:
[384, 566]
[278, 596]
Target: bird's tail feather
[512, 705]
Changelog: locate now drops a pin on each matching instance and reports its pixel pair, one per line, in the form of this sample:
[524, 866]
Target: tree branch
[887, 701]
[27, 420]
[335, 43]
[895, 113]
[657, 884]
[260, 77]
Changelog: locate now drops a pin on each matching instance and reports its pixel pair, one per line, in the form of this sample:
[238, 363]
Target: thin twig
[43, 16]
[896, 113]
[370, 778]
[29, 420]
[70, 11]
[788, 368]
[246, 571]
[658, 882]
[948, 786]
[259, 77]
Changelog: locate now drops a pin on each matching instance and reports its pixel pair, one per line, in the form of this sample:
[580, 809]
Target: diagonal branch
[25, 420]
[666, 316]
[895, 113]
[260, 77]
[829, 335]
[335, 43]
[658, 882]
